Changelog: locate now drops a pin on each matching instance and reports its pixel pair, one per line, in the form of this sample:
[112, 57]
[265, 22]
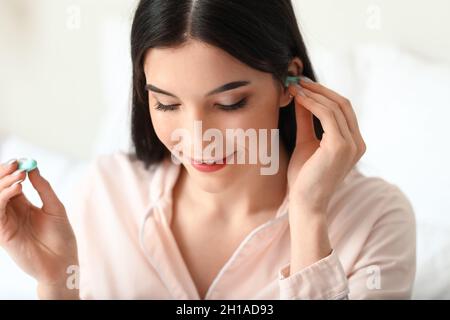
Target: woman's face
[184, 79]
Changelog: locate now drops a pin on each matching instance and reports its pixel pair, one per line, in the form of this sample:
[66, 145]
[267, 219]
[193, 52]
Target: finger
[50, 201]
[346, 108]
[343, 103]
[8, 167]
[8, 180]
[305, 126]
[325, 115]
[6, 195]
[342, 122]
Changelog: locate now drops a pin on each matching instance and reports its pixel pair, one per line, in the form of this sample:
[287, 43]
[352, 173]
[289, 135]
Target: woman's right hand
[40, 240]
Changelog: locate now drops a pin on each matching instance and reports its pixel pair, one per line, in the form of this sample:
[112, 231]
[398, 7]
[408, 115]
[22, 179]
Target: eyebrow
[225, 87]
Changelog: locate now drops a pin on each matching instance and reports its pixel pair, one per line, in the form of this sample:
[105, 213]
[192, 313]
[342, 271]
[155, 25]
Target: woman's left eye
[235, 106]
[230, 107]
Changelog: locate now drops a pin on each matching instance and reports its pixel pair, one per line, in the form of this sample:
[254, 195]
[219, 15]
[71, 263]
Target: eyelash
[231, 107]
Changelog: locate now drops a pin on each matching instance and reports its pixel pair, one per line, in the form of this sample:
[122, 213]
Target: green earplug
[290, 79]
[27, 164]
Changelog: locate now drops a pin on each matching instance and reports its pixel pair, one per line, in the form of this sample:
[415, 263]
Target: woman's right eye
[165, 107]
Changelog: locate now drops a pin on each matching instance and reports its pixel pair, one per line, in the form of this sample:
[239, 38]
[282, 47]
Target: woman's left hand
[318, 166]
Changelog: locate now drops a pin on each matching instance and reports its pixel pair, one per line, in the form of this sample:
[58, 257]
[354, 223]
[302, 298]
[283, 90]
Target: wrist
[309, 237]
[313, 223]
[303, 209]
[57, 292]
[63, 286]
[314, 202]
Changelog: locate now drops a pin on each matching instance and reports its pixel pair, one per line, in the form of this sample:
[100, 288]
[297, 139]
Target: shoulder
[120, 165]
[117, 170]
[373, 226]
[112, 184]
[373, 198]
[366, 209]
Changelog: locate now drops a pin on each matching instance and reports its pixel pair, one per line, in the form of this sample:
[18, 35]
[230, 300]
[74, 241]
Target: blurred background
[65, 86]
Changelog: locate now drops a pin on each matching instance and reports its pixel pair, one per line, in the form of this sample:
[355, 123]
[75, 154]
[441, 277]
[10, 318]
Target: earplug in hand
[290, 79]
[27, 164]
[295, 80]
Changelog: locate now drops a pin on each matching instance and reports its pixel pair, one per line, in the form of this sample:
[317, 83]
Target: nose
[203, 134]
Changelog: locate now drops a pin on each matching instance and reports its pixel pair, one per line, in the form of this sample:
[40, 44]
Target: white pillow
[404, 118]
[433, 262]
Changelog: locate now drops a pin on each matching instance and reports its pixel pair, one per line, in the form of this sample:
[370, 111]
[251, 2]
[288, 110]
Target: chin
[214, 182]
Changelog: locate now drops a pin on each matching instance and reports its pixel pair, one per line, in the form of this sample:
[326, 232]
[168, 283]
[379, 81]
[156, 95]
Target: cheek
[164, 126]
[263, 114]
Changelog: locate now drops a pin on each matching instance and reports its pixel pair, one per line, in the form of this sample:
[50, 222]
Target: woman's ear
[295, 68]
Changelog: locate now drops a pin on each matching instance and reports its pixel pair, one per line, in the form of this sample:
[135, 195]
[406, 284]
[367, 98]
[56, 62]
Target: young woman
[147, 226]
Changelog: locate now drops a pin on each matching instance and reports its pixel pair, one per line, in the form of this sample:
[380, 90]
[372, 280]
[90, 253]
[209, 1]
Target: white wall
[52, 84]
[421, 26]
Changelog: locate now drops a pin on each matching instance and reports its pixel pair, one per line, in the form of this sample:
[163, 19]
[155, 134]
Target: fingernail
[10, 162]
[17, 172]
[300, 90]
[306, 79]
[17, 182]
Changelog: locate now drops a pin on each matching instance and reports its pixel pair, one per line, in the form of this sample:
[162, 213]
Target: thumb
[50, 201]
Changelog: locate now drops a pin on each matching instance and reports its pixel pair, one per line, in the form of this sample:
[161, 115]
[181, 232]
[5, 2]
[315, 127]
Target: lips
[210, 161]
